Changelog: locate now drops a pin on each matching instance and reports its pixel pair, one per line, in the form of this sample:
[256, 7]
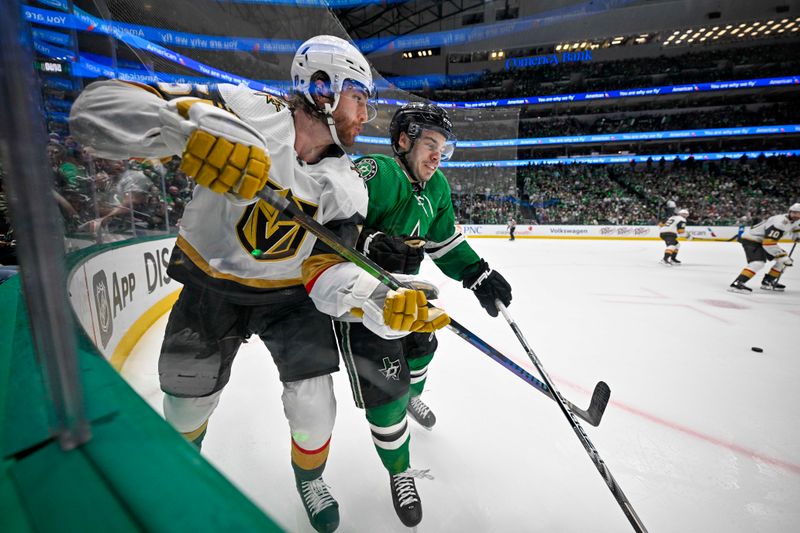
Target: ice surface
[701, 433]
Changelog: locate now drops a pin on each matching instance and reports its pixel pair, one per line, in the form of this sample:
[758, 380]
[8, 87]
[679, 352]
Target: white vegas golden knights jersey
[675, 224]
[220, 237]
[773, 229]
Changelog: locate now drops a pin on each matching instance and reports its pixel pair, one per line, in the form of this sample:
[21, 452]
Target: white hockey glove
[219, 150]
[394, 314]
[784, 260]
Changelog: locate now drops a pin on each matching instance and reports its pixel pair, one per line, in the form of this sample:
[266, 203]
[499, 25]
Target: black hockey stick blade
[624, 504]
[600, 397]
[291, 211]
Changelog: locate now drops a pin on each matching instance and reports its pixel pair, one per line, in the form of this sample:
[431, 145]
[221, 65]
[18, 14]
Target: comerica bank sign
[548, 59]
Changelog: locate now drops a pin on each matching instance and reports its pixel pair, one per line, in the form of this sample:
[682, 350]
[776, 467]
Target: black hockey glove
[488, 286]
[400, 255]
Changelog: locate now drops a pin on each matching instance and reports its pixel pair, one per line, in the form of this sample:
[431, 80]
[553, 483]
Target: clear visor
[434, 142]
[367, 95]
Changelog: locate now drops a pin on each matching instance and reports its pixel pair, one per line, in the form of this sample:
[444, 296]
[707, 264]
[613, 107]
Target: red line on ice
[792, 467]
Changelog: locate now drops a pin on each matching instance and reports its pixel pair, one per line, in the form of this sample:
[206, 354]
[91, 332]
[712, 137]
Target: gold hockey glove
[222, 152]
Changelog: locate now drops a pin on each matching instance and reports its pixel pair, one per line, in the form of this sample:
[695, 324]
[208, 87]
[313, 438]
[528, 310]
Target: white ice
[701, 433]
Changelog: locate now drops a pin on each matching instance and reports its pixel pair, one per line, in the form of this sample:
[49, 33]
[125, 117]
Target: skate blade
[420, 424]
[771, 289]
[738, 291]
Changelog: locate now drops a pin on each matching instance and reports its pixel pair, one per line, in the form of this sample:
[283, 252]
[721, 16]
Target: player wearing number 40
[760, 243]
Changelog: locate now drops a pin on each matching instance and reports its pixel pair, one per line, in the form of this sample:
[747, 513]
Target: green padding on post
[162, 478]
[9, 292]
[25, 419]
[170, 487]
[12, 515]
[61, 491]
[135, 474]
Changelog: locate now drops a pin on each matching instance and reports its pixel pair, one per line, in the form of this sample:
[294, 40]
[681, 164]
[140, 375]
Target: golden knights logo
[275, 101]
[261, 228]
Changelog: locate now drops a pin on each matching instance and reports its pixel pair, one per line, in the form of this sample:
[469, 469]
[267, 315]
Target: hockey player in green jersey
[410, 213]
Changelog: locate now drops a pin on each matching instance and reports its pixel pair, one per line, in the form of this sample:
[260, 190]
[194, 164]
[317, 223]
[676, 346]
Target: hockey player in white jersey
[760, 243]
[672, 229]
[244, 271]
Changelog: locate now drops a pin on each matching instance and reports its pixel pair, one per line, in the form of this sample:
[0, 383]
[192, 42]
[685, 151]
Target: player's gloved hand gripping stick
[789, 263]
[601, 393]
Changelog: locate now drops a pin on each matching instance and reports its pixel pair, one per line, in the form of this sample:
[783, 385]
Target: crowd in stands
[725, 117]
[692, 67]
[728, 192]
[102, 200]
[100, 197]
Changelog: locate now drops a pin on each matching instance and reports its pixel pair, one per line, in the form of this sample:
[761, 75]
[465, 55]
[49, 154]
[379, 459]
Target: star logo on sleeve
[367, 168]
[391, 369]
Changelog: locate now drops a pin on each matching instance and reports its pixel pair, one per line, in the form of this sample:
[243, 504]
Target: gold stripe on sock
[192, 435]
[310, 459]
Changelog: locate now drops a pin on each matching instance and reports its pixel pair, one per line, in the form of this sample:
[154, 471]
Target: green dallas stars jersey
[396, 208]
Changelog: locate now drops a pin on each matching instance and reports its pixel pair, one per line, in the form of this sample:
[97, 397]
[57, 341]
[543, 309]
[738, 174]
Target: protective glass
[370, 95]
[445, 150]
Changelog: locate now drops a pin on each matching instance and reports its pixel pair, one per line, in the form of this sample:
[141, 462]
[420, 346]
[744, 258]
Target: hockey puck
[757, 349]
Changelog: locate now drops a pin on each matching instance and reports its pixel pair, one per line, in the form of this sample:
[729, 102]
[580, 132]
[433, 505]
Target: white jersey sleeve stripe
[437, 250]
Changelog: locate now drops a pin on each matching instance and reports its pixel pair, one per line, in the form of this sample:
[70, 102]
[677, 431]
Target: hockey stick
[616, 490]
[790, 255]
[601, 393]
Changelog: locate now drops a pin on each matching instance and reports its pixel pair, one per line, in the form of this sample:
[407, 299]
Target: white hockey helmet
[795, 208]
[337, 58]
[683, 212]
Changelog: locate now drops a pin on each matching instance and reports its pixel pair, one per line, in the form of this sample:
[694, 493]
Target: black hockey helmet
[414, 117]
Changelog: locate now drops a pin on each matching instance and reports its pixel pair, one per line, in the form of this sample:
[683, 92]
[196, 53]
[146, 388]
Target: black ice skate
[421, 412]
[321, 508]
[738, 286]
[771, 284]
[666, 262]
[675, 261]
[405, 497]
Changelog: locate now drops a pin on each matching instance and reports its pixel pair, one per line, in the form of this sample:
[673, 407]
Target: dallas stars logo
[261, 227]
[391, 369]
[367, 168]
